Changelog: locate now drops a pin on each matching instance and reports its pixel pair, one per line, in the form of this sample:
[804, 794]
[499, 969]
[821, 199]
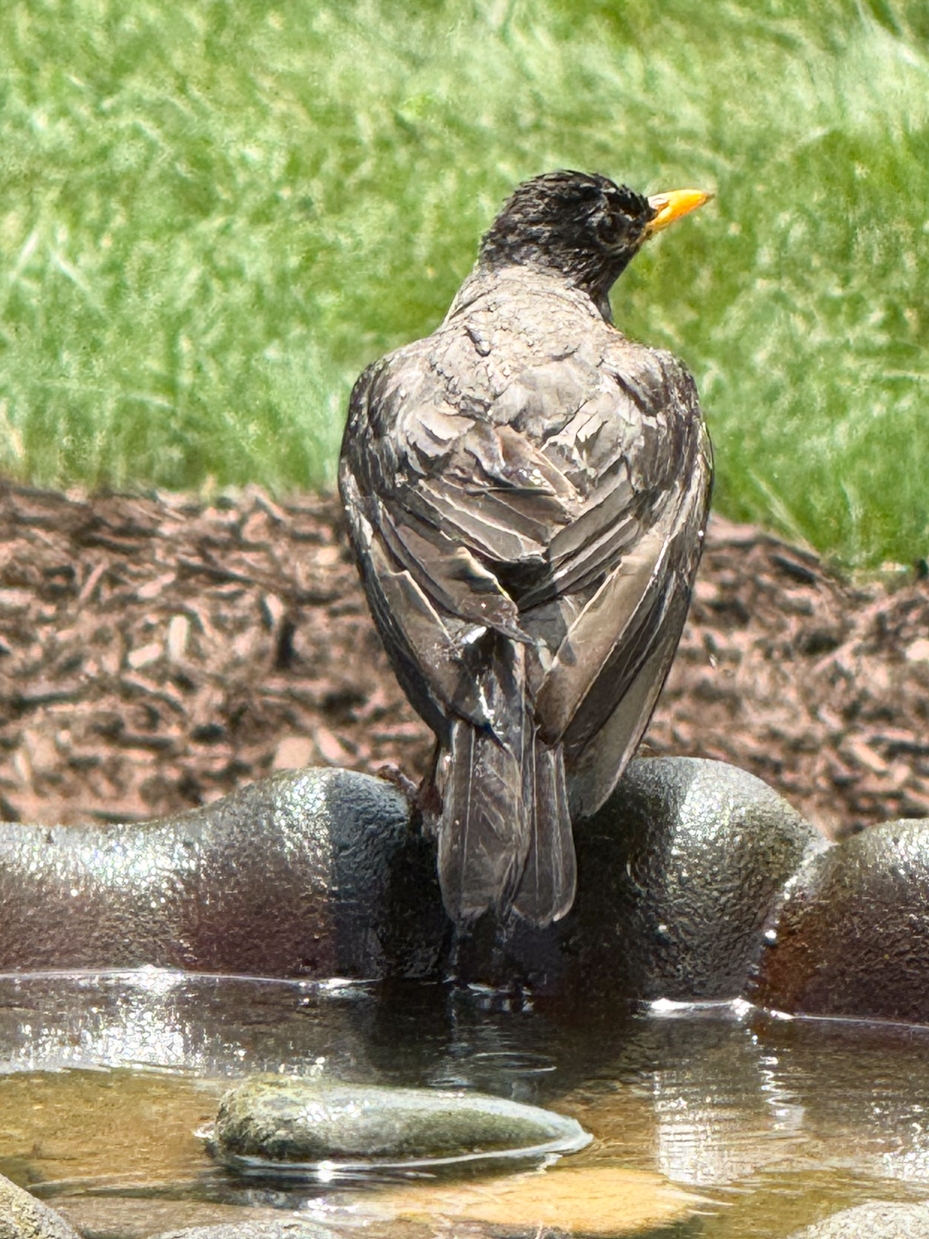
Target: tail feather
[505, 837]
[504, 831]
[546, 891]
[482, 834]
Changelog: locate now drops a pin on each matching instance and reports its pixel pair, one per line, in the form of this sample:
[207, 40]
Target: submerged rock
[563, 1200]
[877, 1220]
[852, 937]
[289, 1122]
[285, 1229]
[24, 1217]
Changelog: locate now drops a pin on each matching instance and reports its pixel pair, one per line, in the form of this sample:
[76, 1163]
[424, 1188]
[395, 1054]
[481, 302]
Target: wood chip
[177, 638]
[144, 655]
[293, 753]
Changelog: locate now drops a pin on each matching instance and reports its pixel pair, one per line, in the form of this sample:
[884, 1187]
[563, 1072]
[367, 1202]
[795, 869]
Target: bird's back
[526, 491]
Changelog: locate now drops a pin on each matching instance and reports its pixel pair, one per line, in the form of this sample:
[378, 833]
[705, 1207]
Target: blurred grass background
[214, 213]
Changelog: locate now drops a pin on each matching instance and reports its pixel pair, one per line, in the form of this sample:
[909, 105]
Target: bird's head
[580, 225]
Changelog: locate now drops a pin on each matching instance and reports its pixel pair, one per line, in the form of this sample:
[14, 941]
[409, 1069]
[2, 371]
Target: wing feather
[546, 520]
[626, 595]
[613, 711]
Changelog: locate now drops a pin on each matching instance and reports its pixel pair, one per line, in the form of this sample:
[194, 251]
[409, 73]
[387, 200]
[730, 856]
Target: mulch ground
[155, 653]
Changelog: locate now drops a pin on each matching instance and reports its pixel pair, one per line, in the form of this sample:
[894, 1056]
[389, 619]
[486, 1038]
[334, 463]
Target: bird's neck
[486, 277]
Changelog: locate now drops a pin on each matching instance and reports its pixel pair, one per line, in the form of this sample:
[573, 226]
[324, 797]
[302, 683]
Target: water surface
[767, 1123]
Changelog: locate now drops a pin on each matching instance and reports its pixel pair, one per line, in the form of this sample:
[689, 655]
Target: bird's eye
[612, 219]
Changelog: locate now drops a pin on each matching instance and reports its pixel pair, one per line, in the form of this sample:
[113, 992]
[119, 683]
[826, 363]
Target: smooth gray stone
[309, 873]
[288, 1121]
[876, 1220]
[852, 937]
[24, 1217]
[678, 875]
[285, 1229]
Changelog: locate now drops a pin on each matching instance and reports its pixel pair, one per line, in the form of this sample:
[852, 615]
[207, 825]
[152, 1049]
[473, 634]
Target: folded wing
[530, 575]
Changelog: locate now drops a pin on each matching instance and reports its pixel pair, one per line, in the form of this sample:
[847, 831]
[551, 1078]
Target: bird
[527, 492]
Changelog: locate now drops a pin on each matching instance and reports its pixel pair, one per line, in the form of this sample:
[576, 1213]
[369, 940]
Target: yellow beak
[672, 206]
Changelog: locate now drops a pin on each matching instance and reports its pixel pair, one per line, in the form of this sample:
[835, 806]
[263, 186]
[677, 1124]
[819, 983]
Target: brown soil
[156, 653]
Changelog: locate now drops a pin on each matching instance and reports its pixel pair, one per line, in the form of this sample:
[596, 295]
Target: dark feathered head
[581, 225]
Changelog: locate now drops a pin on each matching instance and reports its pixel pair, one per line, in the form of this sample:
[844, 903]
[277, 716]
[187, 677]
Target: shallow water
[106, 1079]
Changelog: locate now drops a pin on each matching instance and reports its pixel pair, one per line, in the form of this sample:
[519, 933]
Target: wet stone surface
[852, 938]
[318, 873]
[777, 1124]
[686, 874]
[309, 873]
[880, 1220]
[24, 1217]
[678, 875]
[290, 1122]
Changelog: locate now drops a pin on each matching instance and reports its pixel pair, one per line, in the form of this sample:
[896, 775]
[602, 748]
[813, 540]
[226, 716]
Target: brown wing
[561, 513]
[607, 675]
[528, 537]
[442, 506]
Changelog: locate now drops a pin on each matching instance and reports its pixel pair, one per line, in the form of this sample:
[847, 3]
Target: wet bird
[527, 491]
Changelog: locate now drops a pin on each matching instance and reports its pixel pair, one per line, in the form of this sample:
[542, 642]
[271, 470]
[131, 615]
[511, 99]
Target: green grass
[213, 213]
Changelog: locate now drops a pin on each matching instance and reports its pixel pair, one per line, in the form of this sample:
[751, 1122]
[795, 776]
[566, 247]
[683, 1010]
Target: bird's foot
[390, 772]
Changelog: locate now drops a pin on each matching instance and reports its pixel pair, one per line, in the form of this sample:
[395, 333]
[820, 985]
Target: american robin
[527, 491]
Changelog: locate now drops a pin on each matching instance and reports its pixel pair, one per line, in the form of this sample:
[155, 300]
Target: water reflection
[753, 1110]
[150, 1017]
[721, 1112]
[866, 1089]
